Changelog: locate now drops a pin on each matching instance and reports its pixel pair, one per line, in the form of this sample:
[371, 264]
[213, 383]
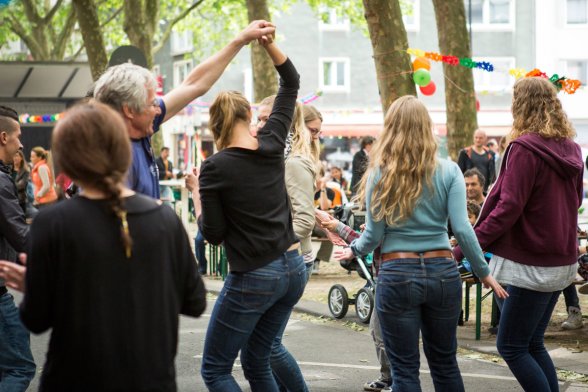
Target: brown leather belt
[413, 255]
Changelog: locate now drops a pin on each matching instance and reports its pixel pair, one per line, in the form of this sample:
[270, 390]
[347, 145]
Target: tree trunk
[139, 25]
[460, 98]
[92, 35]
[389, 43]
[265, 81]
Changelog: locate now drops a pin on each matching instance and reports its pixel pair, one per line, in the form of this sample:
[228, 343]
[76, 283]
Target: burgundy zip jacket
[531, 214]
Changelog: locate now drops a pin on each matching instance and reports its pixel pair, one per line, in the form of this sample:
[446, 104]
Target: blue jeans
[249, 313]
[284, 367]
[17, 367]
[200, 253]
[571, 297]
[524, 318]
[420, 295]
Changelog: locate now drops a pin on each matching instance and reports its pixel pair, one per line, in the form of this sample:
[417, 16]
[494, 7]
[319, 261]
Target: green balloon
[422, 77]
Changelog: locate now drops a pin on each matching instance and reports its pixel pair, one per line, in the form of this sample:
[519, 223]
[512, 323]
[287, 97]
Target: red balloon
[477, 105]
[429, 89]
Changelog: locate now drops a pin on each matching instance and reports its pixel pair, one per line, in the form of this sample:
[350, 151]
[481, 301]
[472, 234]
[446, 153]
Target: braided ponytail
[110, 186]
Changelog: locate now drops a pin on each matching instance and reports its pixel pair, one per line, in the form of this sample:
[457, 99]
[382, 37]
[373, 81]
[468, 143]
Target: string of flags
[422, 77]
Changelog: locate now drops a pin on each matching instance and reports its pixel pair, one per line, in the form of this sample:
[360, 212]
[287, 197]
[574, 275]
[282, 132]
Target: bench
[479, 298]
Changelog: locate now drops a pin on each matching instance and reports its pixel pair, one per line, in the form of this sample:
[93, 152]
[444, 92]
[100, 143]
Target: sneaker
[574, 320]
[583, 289]
[315, 267]
[387, 389]
[377, 385]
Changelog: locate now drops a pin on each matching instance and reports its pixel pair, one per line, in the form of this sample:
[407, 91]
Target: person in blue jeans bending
[409, 195]
[241, 201]
[534, 244]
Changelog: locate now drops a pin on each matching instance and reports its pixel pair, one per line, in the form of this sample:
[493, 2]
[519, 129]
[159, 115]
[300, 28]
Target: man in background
[360, 162]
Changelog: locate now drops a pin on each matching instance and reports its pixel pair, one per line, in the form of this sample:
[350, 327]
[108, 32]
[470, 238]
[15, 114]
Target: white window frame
[416, 15]
[346, 77]
[584, 78]
[343, 25]
[573, 25]
[181, 42]
[486, 76]
[177, 65]
[486, 25]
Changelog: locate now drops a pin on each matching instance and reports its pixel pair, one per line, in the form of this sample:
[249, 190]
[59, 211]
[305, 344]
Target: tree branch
[52, 12]
[31, 13]
[166, 34]
[76, 54]
[65, 34]
[30, 42]
[112, 17]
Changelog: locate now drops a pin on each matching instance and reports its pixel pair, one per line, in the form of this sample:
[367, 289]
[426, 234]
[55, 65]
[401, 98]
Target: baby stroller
[338, 298]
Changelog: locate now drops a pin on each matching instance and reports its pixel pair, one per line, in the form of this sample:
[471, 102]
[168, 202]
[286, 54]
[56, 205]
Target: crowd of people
[113, 300]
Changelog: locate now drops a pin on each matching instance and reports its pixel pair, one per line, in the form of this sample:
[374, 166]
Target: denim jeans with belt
[420, 296]
[249, 313]
[284, 367]
[17, 367]
[520, 341]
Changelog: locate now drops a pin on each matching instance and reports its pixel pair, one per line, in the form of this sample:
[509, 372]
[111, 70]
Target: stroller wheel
[338, 301]
[364, 304]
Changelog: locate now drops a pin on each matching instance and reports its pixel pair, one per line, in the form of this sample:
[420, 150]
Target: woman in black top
[109, 271]
[245, 207]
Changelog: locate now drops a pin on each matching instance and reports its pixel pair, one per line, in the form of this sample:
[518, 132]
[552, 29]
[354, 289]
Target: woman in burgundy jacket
[528, 223]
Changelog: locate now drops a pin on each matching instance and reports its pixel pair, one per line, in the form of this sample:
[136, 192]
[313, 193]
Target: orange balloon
[421, 62]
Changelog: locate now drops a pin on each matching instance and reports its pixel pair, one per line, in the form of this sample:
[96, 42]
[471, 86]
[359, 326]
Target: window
[181, 42]
[491, 14]
[181, 70]
[331, 20]
[410, 14]
[497, 80]
[334, 74]
[576, 12]
[577, 69]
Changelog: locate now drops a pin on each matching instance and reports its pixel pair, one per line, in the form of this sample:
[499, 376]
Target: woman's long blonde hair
[301, 138]
[536, 109]
[406, 156]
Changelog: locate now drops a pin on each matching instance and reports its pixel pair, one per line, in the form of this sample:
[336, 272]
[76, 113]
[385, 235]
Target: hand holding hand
[490, 282]
[259, 29]
[343, 254]
[330, 224]
[192, 180]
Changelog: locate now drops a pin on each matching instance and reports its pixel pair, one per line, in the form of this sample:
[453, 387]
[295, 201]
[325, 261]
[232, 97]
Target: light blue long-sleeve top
[426, 228]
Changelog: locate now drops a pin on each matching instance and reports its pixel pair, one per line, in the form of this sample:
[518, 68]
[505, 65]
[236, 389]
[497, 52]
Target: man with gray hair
[17, 367]
[130, 90]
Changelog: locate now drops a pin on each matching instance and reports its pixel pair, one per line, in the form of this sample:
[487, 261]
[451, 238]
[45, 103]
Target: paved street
[333, 357]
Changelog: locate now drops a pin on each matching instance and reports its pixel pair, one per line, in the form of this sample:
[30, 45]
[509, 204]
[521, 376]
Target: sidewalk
[567, 348]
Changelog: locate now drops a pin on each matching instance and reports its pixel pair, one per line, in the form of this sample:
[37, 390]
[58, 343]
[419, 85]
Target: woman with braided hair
[109, 271]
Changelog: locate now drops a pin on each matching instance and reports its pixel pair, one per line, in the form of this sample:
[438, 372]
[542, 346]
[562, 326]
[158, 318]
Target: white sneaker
[574, 320]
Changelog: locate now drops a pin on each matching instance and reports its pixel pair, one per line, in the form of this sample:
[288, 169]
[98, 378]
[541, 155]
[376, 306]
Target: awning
[33, 80]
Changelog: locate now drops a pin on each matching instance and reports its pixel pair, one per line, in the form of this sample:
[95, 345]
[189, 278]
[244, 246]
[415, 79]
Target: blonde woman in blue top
[409, 194]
